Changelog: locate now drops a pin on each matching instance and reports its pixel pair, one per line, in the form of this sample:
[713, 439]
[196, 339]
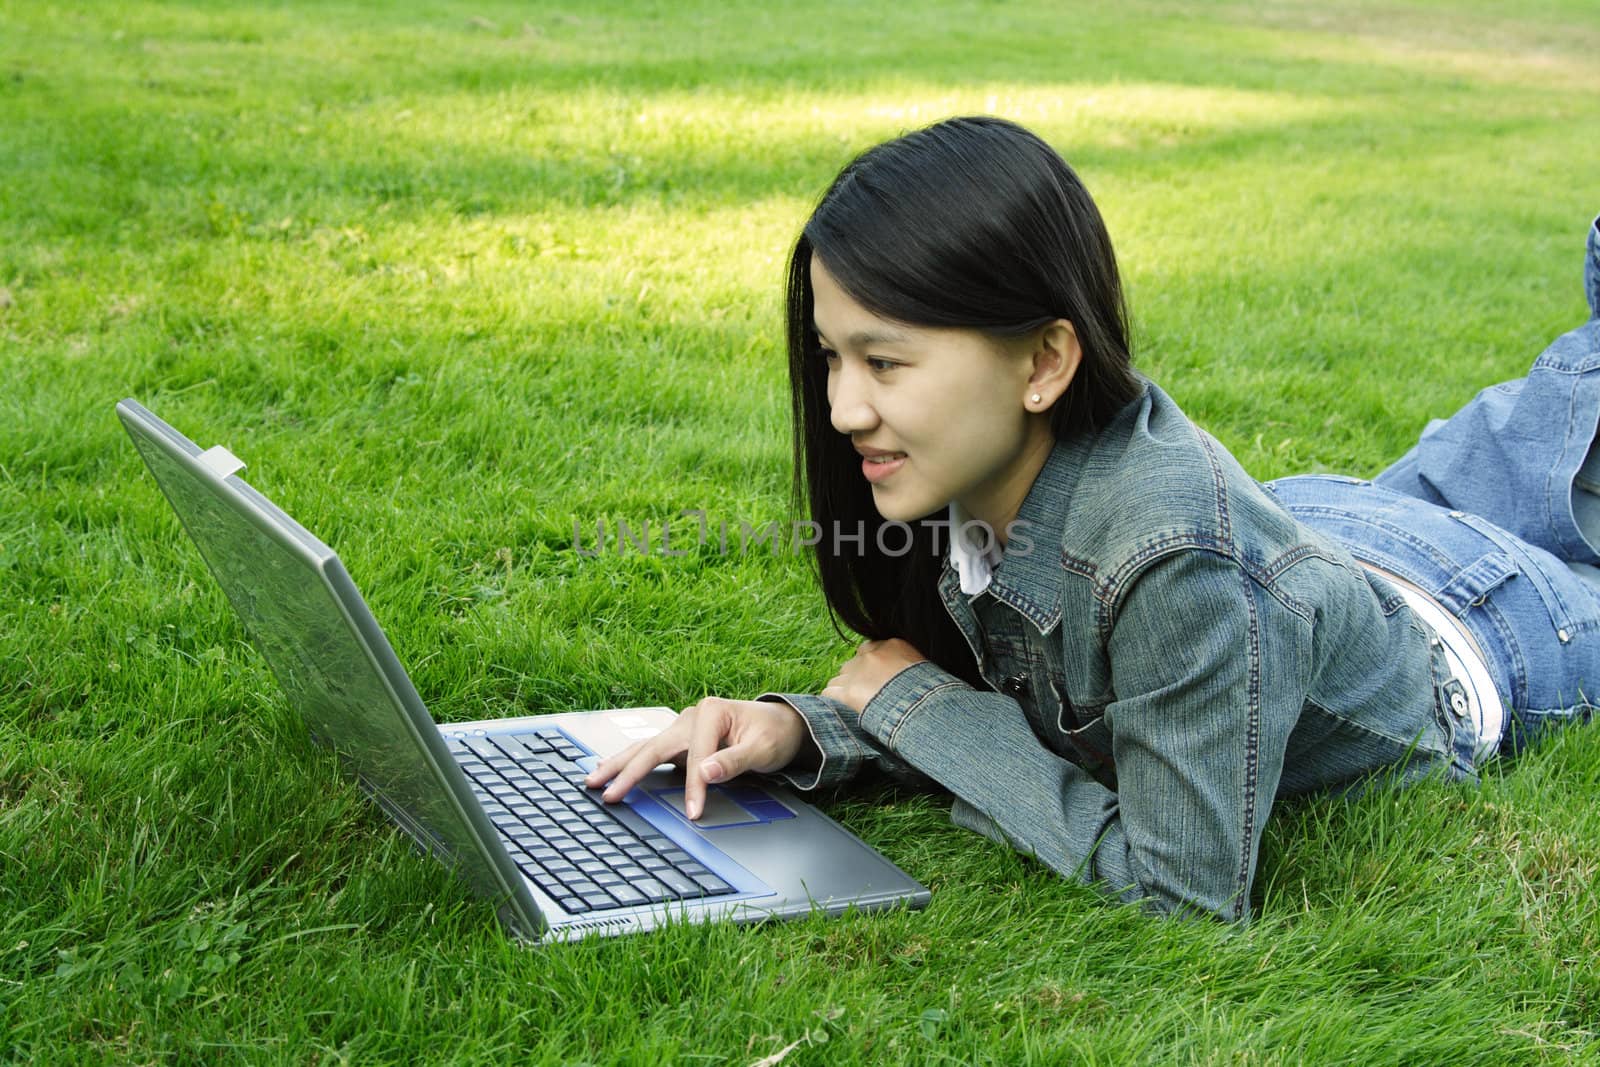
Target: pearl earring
[1035, 398]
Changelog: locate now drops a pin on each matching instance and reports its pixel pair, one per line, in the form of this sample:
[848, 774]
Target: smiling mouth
[877, 468]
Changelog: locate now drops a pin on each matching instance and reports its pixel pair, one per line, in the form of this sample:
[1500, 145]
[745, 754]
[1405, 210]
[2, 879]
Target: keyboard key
[482, 747]
[626, 896]
[514, 750]
[679, 884]
[712, 884]
[532, 742]
[654, 890]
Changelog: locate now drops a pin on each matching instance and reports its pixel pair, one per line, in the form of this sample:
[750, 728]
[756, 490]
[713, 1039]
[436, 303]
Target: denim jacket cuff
[902, 695]
[841, 755]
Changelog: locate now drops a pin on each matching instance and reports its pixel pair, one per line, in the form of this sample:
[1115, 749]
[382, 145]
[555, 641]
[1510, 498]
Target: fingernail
[694, 809]
[710, 771]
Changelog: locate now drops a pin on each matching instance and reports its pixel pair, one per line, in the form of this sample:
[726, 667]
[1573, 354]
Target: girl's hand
[761, 736]
[869, 670]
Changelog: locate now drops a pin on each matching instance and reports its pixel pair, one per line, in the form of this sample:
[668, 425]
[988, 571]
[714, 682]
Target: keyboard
[577, 849]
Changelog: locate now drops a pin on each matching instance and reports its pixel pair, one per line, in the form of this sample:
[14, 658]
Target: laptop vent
[595, 924]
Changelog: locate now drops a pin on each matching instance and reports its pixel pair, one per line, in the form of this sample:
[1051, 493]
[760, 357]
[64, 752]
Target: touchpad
[723, 810]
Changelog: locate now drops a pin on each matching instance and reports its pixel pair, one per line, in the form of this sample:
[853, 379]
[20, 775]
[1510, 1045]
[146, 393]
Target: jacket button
[1015, 686]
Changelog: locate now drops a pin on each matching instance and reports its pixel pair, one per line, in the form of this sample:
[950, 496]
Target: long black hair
[973, 223]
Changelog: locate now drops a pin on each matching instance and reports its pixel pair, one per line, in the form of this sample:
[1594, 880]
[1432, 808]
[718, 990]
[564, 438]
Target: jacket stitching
[1297, 554]
[1081, 567]
[1110, 591]
[857, 757]
[1224, 522]
[905, 717]
[1252, 754]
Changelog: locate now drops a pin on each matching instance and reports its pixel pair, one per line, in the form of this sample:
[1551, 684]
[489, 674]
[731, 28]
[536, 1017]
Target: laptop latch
[219, 461]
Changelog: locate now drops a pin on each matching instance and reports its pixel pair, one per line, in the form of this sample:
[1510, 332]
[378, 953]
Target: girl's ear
[1056, 357]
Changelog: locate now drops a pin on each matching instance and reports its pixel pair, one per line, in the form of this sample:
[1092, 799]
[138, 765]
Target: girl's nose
[848, 405]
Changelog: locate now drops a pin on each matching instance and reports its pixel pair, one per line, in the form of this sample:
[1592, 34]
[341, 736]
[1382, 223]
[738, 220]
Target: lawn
[458, 280]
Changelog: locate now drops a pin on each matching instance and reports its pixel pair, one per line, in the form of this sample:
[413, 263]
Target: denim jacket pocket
[1087, 737]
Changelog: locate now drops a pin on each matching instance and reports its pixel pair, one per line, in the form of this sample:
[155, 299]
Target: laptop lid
[321, 642]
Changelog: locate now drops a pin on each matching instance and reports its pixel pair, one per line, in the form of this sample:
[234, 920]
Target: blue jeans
[1496, 512]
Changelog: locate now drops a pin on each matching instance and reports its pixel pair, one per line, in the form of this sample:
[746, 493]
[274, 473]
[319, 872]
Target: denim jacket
[1173, 654]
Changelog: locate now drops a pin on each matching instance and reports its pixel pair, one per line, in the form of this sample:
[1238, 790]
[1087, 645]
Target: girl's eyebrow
[864, 338]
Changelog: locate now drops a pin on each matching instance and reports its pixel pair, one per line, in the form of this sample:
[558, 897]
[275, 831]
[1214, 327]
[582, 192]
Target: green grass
[453, 277]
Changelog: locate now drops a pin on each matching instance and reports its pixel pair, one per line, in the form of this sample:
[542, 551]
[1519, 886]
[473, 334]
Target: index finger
[607, 768]
[636, 762]
[705, 734]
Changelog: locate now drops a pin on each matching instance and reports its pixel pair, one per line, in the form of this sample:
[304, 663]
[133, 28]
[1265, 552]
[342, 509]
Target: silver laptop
[502, 800]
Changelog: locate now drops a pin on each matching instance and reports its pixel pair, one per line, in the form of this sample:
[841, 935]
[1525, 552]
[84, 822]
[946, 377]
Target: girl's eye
[828, 355]
[881, 364]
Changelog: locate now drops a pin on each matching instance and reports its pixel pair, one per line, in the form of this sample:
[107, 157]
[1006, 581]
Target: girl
[1085, 620]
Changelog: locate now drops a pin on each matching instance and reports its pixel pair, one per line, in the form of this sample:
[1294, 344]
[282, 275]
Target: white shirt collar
[973, 564]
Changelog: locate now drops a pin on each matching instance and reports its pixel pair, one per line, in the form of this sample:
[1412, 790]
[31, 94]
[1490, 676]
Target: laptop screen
[307, 619]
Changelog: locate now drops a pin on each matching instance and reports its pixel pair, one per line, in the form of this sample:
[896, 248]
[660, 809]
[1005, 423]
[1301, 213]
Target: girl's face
[937, 414]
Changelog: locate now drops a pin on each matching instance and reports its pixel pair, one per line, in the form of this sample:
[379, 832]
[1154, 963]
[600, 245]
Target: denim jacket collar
[1029, 577]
